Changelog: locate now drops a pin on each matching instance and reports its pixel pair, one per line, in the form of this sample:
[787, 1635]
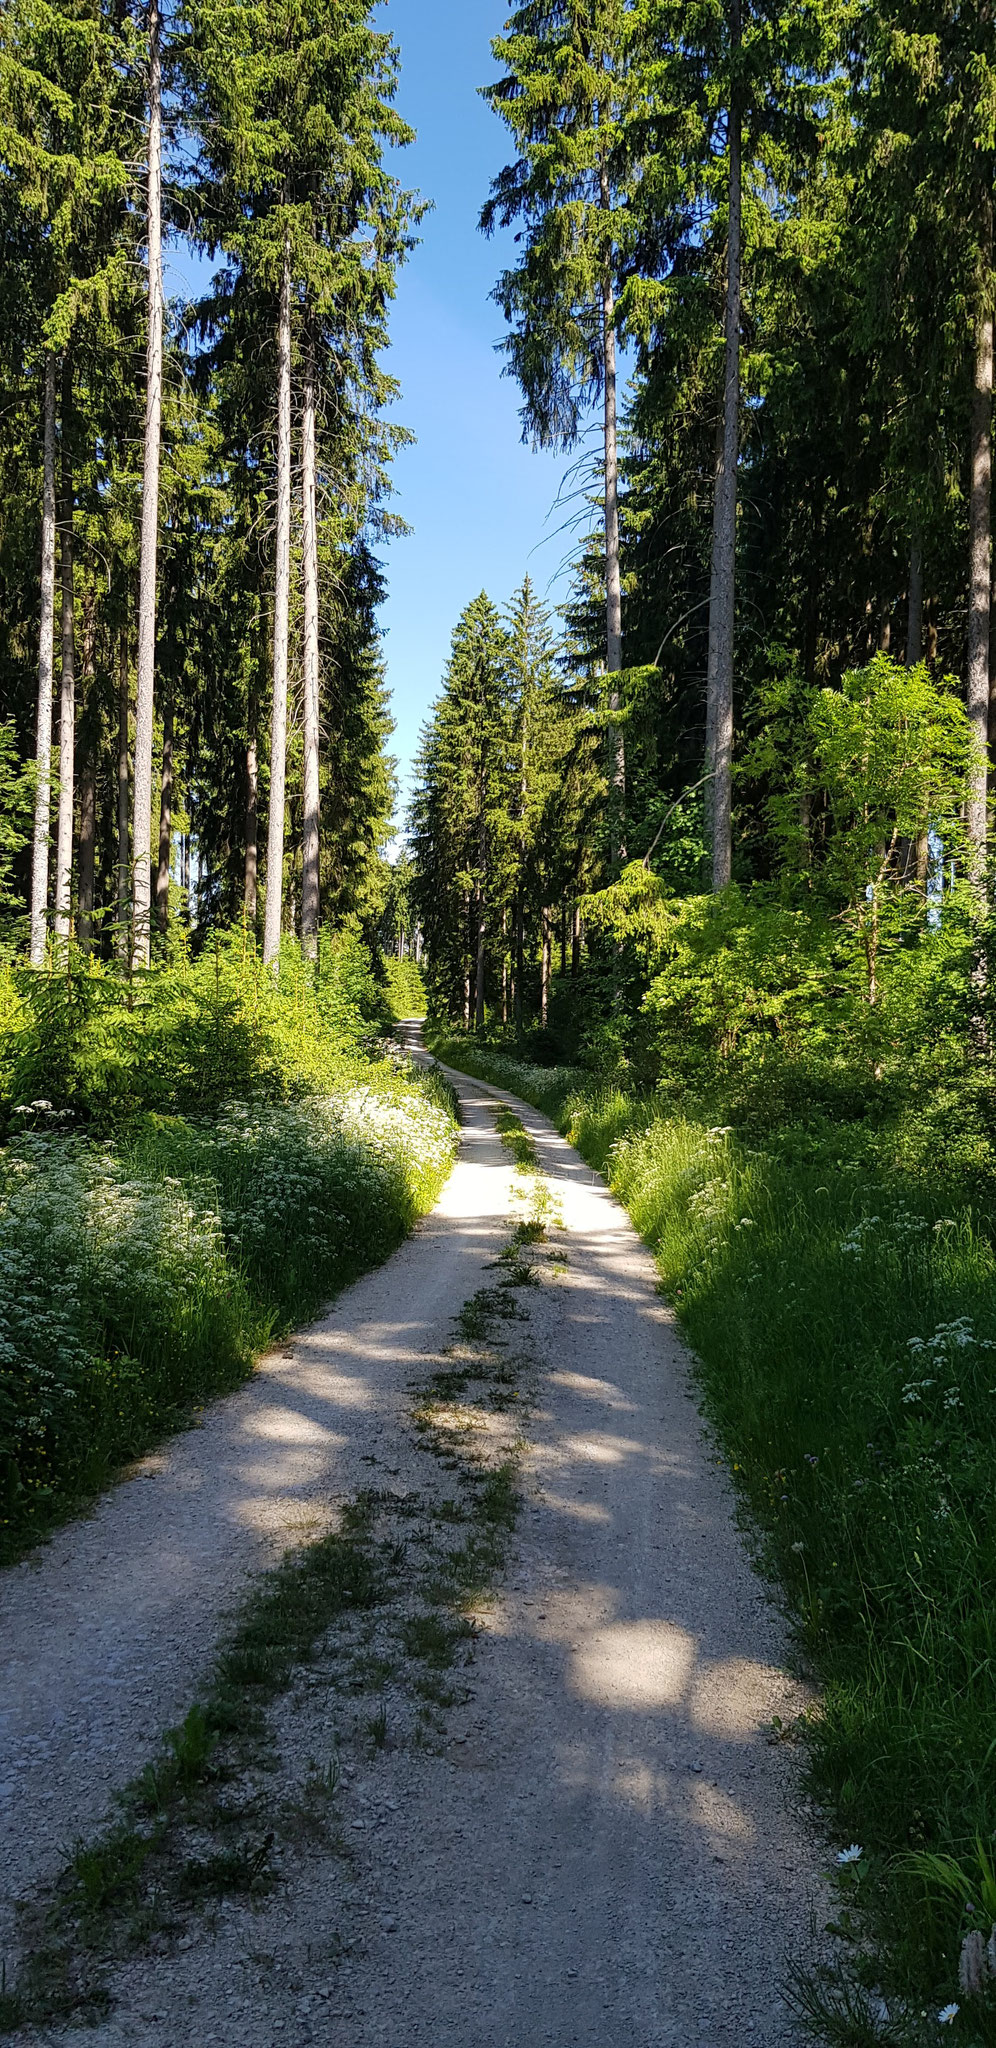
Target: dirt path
[607, 1853]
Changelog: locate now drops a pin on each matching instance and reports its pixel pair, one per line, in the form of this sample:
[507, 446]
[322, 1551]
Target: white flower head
[851, 1855]
[947, 2014]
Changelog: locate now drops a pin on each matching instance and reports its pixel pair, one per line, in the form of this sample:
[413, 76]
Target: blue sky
[479, 502]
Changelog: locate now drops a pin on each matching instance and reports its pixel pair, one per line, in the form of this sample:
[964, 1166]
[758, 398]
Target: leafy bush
[153, 1234]
[406, 995]
[188, 1035]
[838, 1283]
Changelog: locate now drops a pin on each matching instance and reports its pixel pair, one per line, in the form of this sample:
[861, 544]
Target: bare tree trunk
[466, 961]
[310, 904]
[67, 696]
[124, 858]
[252, 808]
[520, 956]
[482, 931]
[723, 581]
[165, 824]
[563, 938]
[545, 969]
[46, 662]
[613, 574]
[146, 674]
[576, 942]
[914, 616]
[980, 545]
[504, 968]
[281, 607]
[88, 849]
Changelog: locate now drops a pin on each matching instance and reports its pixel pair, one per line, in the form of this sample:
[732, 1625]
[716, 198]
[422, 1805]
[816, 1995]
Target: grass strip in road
[838, 1286]
[387, 1603]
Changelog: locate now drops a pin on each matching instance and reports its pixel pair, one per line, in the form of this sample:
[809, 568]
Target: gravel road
[609, 1852]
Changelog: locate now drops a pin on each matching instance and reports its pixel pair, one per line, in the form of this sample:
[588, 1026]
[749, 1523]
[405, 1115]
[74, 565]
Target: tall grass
[148, 1255]
[838, 1286]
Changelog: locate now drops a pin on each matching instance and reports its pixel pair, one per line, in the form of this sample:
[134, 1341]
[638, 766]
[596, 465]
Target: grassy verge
[838, 1285]
[143, 1273]
[384, 1609]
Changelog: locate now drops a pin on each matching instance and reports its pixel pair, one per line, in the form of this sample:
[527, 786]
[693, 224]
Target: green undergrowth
[515, 1138]
[837, 1282]
[383, 1609]
[404, 989]
[153, 1241]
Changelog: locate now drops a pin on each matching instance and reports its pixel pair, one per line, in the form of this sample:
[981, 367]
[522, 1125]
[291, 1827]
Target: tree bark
[723, 581]
[86, 867]
[46, 661]
[482, 932]
[980, 547]
[124, 853]
[576, 942]
[520, 957]
[310, 904]
[914, 614]
[466, 961]
[146, 673]
[281, 607]
[545, 969]
[67, 695]
[252, 809]
[165, 824]
[88, 850]
[613, 574]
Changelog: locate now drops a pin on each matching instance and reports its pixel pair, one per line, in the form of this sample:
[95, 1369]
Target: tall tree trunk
[46, 662]
[165, 824]
[723, 581]
[310, 907]
[563, 938]
[479, 972]
[547, 963]
[252, 808]
[88, 849]
[980, 545]
[146, 675]
[281, 607]
[87, 864]
[914, 612]
[67, 696]
[466, 960]
[520, 956]
[124, 853]
[576, 941]
[613, 573]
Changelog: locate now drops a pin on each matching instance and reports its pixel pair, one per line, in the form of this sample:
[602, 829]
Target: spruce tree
[571, 96]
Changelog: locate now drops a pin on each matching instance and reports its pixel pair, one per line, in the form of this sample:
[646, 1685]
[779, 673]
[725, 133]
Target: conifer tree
[569, 97]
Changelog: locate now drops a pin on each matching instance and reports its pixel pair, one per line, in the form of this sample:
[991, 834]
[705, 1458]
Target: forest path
[608, 1852]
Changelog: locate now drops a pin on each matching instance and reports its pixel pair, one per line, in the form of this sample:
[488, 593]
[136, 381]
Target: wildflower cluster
[138, 1275]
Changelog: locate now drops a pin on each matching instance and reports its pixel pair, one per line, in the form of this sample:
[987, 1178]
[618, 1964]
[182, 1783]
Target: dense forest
[699, 864]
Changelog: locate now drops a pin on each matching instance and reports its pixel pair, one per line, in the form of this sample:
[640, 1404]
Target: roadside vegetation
[358, 1642]
[213, 1156]
[836, 1277]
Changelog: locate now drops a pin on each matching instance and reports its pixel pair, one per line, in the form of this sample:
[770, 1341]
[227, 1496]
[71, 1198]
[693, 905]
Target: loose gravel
[594, 1843]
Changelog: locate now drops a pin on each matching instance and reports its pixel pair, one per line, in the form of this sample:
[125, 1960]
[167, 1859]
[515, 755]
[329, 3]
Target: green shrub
[204, 1168]
[838, 1284]
[406, 994]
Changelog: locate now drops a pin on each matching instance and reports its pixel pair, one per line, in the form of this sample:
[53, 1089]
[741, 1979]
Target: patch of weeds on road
[516, 1139]
[194, 1827]
[388, 1600]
